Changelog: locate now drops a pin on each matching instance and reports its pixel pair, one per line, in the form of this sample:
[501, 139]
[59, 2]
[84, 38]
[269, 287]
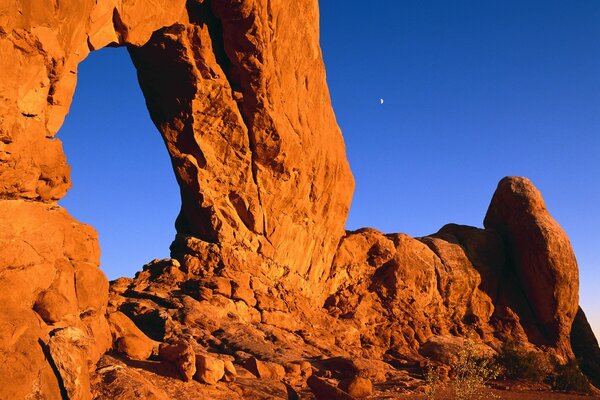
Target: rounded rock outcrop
[542, 258]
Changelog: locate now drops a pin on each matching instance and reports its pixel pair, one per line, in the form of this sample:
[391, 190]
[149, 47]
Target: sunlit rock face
[53, 326]
[249, 125]
[390, 300]
[262, 273]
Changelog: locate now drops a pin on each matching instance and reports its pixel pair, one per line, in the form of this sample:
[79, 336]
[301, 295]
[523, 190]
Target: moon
[381, 100]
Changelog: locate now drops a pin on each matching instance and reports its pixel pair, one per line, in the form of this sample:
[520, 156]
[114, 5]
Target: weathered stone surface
[254, 142]
[210, 369]
[40, 249]
[415, 289]
[91, 286]
[128, 338]
[446, 349]
[324, 390]
[180, 355]
[443, 348]
[42, 44]
[391, 297]
[67, 349]
[230, 371]
[357, 387]
[585, 347]
[117, 382]
[244, 146]
[52, 306]
[265, 369]
[543, 258]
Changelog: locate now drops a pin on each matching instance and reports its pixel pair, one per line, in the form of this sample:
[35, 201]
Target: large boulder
[128, 339]
[180, 356]
[323, 390]
[67, 349]
[357, 387]
[210, 369]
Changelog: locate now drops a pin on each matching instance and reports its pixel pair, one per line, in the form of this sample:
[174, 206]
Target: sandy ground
[507, 395]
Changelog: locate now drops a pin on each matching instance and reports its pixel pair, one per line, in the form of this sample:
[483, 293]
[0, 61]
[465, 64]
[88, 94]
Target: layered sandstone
[263, 281]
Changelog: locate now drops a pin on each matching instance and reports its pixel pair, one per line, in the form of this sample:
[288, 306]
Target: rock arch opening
[123, 184]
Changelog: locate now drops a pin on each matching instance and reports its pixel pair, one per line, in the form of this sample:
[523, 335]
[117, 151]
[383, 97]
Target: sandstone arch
[197, 61]
[236, 168]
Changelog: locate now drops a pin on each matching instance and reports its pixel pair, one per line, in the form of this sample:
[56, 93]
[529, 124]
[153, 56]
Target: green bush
[471, 372]
[520, 363]
[570, 378]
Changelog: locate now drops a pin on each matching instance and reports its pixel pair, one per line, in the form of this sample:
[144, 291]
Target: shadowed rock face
[585, 347]
[262, 271]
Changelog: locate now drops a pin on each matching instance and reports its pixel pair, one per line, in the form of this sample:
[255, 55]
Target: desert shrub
[432, 382]
[471, 372]
[520, 363]
[570, 378]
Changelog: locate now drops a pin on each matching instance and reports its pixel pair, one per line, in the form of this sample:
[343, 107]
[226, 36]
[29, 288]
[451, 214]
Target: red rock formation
[517, 279]
[260, 274]
[248, 124]
[53, 326]
[390, 297]
[253, 139]
[542, 258]
[53, 300]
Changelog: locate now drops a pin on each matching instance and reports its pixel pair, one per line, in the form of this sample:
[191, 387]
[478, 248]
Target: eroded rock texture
[246, 118]
[515, 280]
[391, 301]
[585, 347]
[52, 319]
[250, 129]
[263, 281]
[53, 324]
[542, 258]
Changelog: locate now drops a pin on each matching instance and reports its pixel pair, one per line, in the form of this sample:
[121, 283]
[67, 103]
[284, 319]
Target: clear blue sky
[473, 91]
